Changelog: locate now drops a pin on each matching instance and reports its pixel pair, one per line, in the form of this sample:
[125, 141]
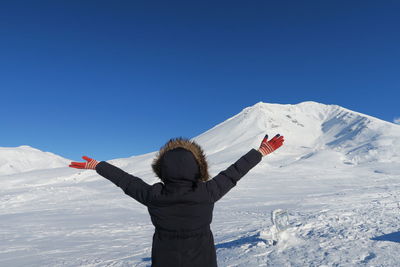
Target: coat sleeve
[131, 185]
[227, 179]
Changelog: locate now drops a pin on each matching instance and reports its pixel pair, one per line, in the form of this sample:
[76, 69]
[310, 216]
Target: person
[181, 205]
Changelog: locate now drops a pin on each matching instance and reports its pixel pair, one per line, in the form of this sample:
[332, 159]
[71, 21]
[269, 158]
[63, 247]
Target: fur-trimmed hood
[174, 161]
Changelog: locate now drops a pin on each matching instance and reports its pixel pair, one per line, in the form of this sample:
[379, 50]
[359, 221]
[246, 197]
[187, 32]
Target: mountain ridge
[309, 127]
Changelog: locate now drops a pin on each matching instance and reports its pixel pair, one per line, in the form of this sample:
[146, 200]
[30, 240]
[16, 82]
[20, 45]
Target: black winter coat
[181, 207]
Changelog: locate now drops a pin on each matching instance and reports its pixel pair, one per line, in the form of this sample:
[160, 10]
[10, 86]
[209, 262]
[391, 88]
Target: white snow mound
[25, 158]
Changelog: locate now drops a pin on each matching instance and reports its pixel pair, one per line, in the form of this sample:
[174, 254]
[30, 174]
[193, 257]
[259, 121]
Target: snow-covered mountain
[314, 132]
[25, 158]
[309, 128]
[337, 175]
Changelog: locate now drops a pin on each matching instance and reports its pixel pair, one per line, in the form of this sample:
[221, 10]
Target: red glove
[90, 164]
[270, 146]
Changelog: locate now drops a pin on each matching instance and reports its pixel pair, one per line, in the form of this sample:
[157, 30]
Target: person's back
[181, 210]
[181, 205]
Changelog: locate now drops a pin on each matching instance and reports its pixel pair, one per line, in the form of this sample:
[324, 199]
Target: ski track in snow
[340, 185]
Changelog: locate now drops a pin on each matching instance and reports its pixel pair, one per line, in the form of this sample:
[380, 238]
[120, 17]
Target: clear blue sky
[113, 79]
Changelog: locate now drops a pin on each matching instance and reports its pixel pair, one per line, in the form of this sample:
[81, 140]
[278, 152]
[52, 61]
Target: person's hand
[90, 164]
[270, 146]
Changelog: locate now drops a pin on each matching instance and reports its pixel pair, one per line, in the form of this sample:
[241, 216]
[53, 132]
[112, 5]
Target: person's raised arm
[131, 185]
[227, 179]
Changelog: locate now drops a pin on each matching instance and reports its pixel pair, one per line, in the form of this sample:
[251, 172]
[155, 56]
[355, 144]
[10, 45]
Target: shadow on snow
[393, 237]
[252, 240]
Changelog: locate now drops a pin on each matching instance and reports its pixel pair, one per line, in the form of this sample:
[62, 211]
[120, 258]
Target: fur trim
[187, 144]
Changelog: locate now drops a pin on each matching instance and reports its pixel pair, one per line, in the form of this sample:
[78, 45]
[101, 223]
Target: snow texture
[337, 175]
[26, 158]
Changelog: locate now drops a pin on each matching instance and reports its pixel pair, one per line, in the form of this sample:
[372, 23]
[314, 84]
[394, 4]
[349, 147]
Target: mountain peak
[308, 127]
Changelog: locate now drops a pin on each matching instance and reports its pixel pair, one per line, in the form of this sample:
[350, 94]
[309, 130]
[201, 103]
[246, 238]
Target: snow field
[337, 175]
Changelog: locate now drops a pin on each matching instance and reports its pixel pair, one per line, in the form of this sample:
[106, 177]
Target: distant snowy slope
[309, 128]
[26, 158]
[312, 131]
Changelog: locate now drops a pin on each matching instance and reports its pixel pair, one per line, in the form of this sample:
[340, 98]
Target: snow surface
[337, 175]
[26, 158]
